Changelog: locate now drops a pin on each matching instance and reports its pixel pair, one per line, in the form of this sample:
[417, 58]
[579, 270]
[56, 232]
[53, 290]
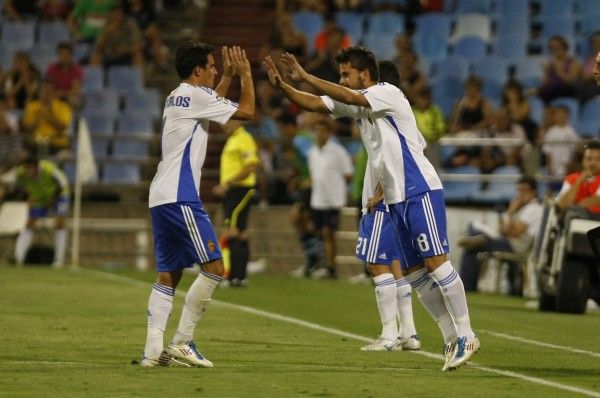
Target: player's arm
[228, 72]
[333, 90]
[305, 100]
[242, 68]
[376, 198]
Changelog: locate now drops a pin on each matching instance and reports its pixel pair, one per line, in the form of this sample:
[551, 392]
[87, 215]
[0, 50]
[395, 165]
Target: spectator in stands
[517, 106]
[330, 169]
[21, 10]
[286, 37]
[8, 123]
[411, 79]
[323, 64]
[504, 127]
[587, 87]
[429, 116]
[21, 81]
[332, 37]
[518, 227]
[88, 18]
[47, 191]
[143, 13]
[559, 142]
[55, 10]
[561, 71]
[47, 119]
[403, 47]
[66, 75]
[472, 112]
[579, 196]
[119, 42]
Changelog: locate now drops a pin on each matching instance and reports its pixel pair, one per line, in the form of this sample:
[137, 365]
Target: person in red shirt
[579, 196]
[66, 75]
[331, 29]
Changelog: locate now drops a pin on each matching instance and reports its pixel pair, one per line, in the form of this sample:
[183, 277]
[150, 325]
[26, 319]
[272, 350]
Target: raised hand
[238, 59]
[228, 69]
[273, 73]
[296, 72]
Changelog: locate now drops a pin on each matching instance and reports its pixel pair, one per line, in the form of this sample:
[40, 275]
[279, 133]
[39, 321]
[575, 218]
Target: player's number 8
[423, 243]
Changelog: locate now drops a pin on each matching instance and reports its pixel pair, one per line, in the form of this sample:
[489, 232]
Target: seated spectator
[472, 112]
[587, 86]
[21, 10]
[88, 18]
[21, 81]
[54, 10]
[579, 196]
[517, 106]
[517, 230]
[323, 64]
[561, 72]
[286, 37]
[411, 78]
[429, 117]
[48, 119]
[143, 13]
[66, 75]
[504, 127]
[403, 47]
[119, 42]
[8, 123]
[559, 142]
[330, 32]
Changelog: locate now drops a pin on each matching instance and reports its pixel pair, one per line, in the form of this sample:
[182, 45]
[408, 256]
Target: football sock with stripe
[23, 244]
[452, 289]
[60, 246]
[405, 312]
[196, 300]
[159, 308]
[385, 295]
[433, 301]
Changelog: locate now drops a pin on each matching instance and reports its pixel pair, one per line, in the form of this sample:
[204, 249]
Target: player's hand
[238, 59]
[296, 72]
[371, 203]
[220, 190]
[273, 73]
[228, 69]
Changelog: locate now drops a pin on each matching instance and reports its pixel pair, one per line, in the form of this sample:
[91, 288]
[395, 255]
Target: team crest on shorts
[211, 246]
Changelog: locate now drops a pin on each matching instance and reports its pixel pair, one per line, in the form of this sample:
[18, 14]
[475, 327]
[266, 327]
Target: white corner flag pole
[85, 171]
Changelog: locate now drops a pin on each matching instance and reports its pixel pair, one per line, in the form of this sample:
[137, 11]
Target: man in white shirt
[183, 233]
[410, 185]
[559, 142]
[518, 227]
[330, 168]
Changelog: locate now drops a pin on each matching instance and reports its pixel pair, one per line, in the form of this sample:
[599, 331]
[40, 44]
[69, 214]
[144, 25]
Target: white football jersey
[393, 142]
[184, 135]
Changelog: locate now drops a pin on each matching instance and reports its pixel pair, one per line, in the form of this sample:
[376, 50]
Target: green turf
[68, 333]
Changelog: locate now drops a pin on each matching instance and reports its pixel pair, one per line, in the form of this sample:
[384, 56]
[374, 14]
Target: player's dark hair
[388, 73]
[528, 180]
[593, 144]
[360, 58]
[190, 54]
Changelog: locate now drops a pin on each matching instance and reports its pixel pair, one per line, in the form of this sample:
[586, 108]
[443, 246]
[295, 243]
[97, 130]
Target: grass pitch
[74, 333]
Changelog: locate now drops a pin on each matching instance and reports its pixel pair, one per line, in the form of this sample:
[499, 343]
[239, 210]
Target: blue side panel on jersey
[414, 180]
[186, 191]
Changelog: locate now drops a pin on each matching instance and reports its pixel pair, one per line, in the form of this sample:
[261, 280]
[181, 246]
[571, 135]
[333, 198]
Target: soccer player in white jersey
[410, 185]
[378, 247]
[183, 233]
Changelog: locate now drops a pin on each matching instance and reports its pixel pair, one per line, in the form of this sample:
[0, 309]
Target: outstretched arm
[333, 90]
[228, 72]
[241, 65]
[303, 99]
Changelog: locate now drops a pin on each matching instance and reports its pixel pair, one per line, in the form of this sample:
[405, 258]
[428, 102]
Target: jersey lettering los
[188, 110]
[393, 142]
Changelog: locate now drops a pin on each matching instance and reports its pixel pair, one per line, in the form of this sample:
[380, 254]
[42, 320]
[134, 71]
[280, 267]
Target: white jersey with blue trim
[393, 142]
[184, 135]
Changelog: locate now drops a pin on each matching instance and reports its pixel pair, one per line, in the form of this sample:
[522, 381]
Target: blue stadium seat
[512, 8]
[120, 173]
[69, 169]
[53, 32]
[382, 45]
[385, 22]
[93, 78]
[498, 191]
[492, 89]
[559, 8]
[42, 55]
[145, 100]
[510, 46]
[461, 191]
[512, 27]
[395, 3]
[310, 23]
[474, 24]
[572, 104]
[352, 23]
[529, 71]
[456, 67]
[589, 23]
[446, 91]
[470, 47]
[431, 46]
[589, 8]
[100, 147]
[100, 124]
[469, 6]
[130, 148]
[18, 35]
[589, 117]
[106, 101]
[82, 51]
[491, 68]
[557, 26]
[536, 109]
[437, 24]
[134, 123]
[6, 56]
[125, 78]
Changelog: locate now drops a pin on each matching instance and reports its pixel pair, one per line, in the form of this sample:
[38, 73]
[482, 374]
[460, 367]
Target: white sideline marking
[337, 332]
[541, 344]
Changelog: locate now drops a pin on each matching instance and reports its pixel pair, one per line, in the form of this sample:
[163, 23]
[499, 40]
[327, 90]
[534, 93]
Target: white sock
[453, 290]
[196, 301]
[433, 301]
[159, 308]
[23, 244]
[385, 295]
[60, 246]
[405, 313]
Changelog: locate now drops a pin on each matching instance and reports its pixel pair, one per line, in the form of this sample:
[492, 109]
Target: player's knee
[215, 267]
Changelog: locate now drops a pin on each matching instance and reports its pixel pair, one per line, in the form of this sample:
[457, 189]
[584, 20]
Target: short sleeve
[205, 104]
[381, 98]
[565, 187]
[340, 109]
[249, 151]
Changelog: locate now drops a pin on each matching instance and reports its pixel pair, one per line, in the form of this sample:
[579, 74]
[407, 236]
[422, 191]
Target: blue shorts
[183, 236]
[420, 223]
[60, 208]
[377, 242]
